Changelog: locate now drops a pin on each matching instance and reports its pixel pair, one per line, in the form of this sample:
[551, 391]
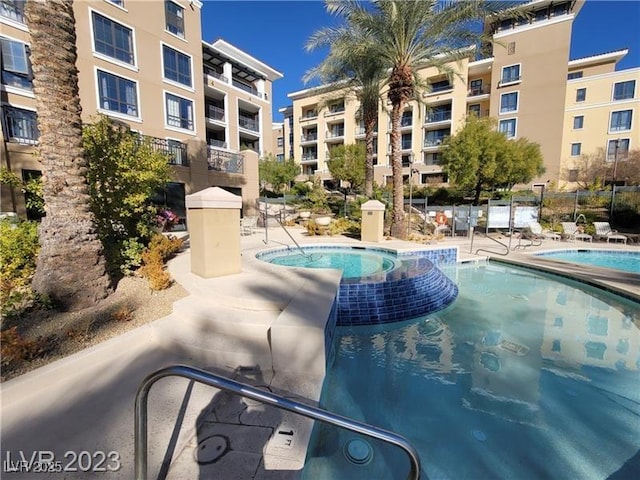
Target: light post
[616, 144]
[411, 171]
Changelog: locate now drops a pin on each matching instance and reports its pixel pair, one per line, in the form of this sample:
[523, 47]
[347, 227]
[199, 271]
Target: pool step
[218, 334]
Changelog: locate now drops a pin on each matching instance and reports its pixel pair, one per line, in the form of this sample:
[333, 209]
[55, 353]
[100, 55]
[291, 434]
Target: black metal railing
[222, 161]
[441, 116]
[21, 125]
[175, 151]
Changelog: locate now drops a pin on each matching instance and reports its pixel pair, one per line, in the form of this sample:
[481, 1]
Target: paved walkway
[86, 402]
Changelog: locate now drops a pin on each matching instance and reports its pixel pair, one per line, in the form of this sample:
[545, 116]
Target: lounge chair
[571, 229]
[603, 230]
[538, 231]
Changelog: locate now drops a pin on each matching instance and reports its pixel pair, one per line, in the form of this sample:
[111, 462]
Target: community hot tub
[378, 286]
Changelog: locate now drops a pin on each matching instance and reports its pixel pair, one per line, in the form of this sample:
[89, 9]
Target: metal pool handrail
[253, 393]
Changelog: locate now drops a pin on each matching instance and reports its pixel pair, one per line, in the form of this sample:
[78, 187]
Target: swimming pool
[354, 263]
[525, 376]
[617, 259]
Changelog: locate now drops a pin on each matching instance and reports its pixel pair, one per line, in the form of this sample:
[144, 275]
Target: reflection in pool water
[524, 376]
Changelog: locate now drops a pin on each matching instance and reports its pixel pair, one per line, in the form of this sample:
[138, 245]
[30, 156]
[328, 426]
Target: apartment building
[278, 138]
[527, 83]
[206, 105]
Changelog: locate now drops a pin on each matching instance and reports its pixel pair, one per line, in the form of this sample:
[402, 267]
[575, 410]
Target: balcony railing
[248, 123]
[442, 116]
[475, 91]
[175, 151]
[217, 143]
[214, 74]
[437, 88]
[334, 111]
[338, 132]
[362, 131]
[222, 161]
[216, 113]
[22, 127]
[246, 88]
[308, 116]
[310, 157]
[309, 137]
[433, 142]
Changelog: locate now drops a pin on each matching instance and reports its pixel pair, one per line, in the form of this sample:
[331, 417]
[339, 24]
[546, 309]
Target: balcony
[222, 161]
[247, 88]
[360, 131]
[22, 126]
[438, 116]
[212, 73]
[312, 115]
[477, 91]
[216, 113]
[335, 134]
[334, 110]
[308, 158]
[433, 142]
[248, 123]
[217, 143]
[175, 151]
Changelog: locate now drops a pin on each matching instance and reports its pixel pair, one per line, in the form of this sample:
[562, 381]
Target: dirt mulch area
[48, 335]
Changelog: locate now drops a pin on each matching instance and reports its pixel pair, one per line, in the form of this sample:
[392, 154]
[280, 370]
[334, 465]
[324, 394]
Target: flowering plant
[166, 219]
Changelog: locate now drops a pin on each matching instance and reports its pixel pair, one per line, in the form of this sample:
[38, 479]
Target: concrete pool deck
[85, 402]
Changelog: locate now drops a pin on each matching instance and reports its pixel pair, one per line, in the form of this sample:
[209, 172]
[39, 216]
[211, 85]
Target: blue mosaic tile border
[415, 287]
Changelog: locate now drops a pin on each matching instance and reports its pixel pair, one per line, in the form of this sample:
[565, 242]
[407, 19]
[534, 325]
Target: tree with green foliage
[124, 172]
[347, 164]
[480, 157]
[277, 173]
[359, 71]
[406, 36]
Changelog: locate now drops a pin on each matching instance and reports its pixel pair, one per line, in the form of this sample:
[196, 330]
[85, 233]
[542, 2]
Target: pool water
[524, 376]
[618, 260]
[353, 263]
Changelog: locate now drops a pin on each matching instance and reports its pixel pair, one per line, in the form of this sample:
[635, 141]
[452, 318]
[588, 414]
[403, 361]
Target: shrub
[313, 228]
[15, 348]
[18, 250]
[160, 249]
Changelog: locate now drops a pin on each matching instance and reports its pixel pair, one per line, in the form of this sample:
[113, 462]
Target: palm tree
[71, 268]
[350, 63]
[407, 36]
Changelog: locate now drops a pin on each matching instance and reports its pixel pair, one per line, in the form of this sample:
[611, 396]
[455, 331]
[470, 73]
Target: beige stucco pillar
[213, 218]
[372, 228]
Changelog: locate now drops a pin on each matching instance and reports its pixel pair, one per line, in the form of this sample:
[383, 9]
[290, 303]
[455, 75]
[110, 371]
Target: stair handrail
[244, 390]
[507, 247]
[304, 254]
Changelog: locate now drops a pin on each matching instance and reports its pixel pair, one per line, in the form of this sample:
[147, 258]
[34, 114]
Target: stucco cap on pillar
[213, 197]
[372, 206]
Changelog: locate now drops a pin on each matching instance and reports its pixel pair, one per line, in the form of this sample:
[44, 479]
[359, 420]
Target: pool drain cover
[358, 451]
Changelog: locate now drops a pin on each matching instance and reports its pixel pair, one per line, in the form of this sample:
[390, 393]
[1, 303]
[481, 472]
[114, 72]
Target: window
[474, 109]
[280, 141]
[575, 149]
[174, 15]
[13, 10]
[120, 3]
[617, 148]
[510, 74]
[475, 87]
[574, 75]
[407, 118]
[405, 141]
[620, 121]
[578, 122]
[441, 86]
[21, 125]
[509, 102]
[15, 64]
[508, 127]
[179, 112]
[117, 94]
[581, 94]
[177, 66]
[624, 90]
[112, 39]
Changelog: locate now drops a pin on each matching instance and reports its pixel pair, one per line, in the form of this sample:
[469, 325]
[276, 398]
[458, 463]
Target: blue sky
[275, 32]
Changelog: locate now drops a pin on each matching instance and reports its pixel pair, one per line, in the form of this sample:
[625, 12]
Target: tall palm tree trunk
[398, 229]
[370, 119]
[71, 269]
